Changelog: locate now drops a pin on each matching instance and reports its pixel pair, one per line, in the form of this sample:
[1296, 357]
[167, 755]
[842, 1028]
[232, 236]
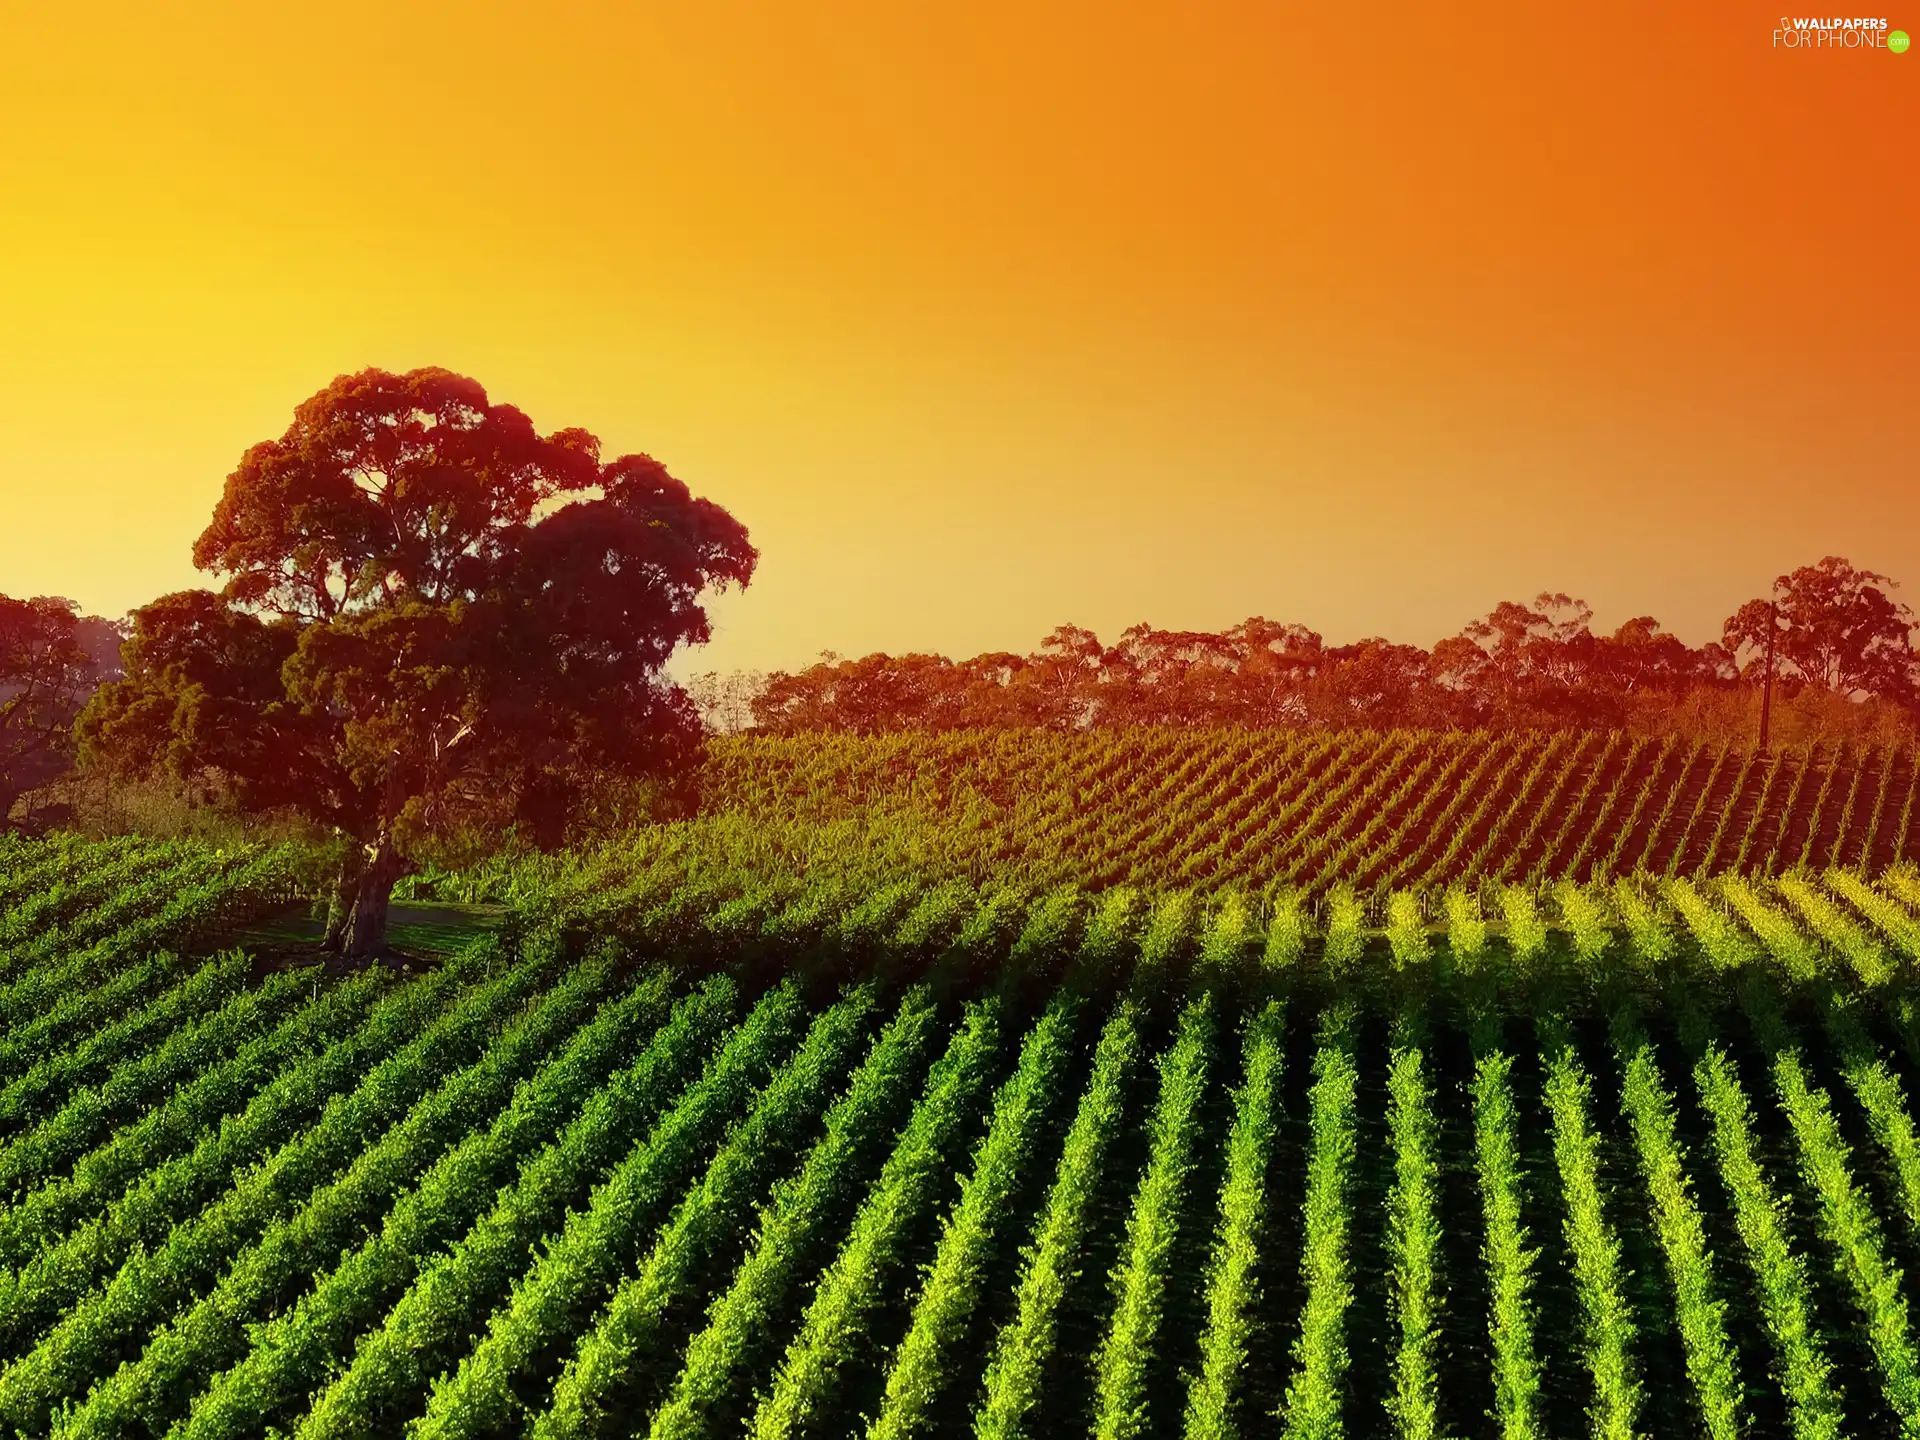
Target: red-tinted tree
[1377, 685]
[866, 696]
[1275, 664]
[1167, 677]
[1640, 658]
[433, 617]
[1526, 665]
[52, 659]
[1064, 677]
[1835, 627]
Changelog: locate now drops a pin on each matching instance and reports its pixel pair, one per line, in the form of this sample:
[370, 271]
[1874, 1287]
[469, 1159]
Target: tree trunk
[346, 887]
[366, 932]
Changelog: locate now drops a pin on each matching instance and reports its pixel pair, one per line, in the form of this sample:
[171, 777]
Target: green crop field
[1001, 1085]
[1309, 811]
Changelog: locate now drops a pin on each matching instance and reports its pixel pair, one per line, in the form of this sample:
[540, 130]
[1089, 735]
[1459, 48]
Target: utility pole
[1766, 693]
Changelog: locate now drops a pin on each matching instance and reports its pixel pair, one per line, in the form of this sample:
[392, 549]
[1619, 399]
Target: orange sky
[987, 317]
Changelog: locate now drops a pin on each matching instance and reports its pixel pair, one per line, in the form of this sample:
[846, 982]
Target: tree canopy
[1835, 627]
[432, 616]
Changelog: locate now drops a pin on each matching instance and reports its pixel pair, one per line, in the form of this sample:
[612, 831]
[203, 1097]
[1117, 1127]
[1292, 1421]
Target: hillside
[1261, 809]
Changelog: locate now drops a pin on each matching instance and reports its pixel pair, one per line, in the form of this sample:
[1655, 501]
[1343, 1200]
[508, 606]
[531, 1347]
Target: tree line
[1839, 643]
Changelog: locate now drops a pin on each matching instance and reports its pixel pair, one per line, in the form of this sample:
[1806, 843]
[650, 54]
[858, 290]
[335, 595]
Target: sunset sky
[987, 317]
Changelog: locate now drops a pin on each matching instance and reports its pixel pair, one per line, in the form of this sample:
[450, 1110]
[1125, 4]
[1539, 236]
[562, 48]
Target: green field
[1308, 811]
[873, 1101]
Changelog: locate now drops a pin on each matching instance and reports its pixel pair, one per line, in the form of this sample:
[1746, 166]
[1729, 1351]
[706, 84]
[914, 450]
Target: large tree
[1834, 626]
[433, 616]
[52, 659]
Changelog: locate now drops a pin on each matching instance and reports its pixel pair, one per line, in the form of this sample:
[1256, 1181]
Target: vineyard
[1308, 811]
[686, 1151]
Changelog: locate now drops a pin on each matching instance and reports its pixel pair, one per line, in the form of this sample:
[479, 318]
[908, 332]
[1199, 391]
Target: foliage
[831, 1335]
[1414, 1233]
[1142, 1277]
[1598, 1271]
[1214, 1396]
[1018, 1367]
[1509, 1259]
[736, 1324]
[952, 1288]
[1779, 1272]
[1834, 627]
[1312, 1409]
[1699, 1309]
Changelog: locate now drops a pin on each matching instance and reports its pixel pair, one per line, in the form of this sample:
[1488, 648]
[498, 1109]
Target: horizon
[991, 323]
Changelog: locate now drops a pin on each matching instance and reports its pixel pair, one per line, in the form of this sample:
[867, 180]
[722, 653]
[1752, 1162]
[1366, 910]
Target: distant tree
[1834, 627]
[1169, 677]
[52, 659]
[1640, 658]
[434, 617]
[875, 693]
[1275, 664]
[1064, 676]
[1525, 665]
[989, 691]
[724, 699]
[1378, 685]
